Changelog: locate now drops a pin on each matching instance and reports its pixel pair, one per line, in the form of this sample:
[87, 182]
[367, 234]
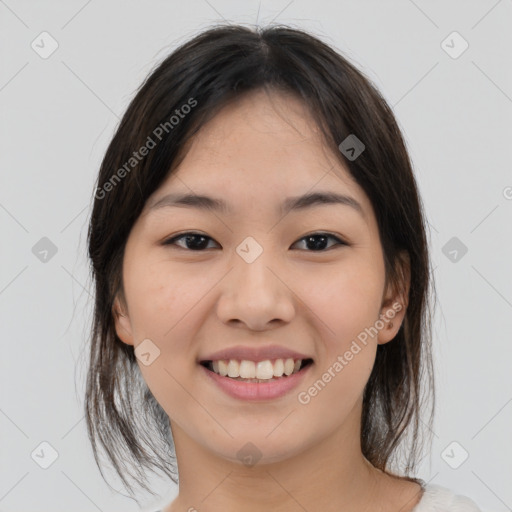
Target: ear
[122, 322]
[395, 301]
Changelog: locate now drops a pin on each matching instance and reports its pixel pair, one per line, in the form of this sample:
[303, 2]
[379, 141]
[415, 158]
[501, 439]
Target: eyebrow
[297, 203]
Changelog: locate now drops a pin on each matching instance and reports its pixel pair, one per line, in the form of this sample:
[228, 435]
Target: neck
[330, 475]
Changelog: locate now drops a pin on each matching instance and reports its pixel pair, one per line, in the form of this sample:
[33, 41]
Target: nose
[256, 294]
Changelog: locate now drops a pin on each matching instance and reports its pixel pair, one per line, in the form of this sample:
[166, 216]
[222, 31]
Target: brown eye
[192, 241]
[317, 241]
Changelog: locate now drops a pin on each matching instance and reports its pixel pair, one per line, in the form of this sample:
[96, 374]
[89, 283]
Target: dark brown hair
[206, 73]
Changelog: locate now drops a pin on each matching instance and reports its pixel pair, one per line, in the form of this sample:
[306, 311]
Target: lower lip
[257, 391]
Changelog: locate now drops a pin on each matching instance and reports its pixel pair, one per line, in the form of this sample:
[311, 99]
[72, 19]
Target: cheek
[161, 295]
[163, 302]
[347, 300]
[346, 305]
[334, 395]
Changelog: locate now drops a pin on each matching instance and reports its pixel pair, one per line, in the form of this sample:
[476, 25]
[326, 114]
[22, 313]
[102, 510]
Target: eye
[199, 242]
[317, 241]
[193, 241]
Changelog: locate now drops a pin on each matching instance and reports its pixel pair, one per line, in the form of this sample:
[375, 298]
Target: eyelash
[171, 241]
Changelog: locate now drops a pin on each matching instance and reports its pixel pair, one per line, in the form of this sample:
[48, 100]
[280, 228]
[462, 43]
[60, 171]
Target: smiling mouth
[258, 372]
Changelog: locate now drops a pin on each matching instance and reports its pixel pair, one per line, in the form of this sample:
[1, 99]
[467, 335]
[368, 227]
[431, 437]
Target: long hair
[206, 73]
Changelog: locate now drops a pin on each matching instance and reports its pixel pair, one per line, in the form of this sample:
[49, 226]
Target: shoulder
[437, 498]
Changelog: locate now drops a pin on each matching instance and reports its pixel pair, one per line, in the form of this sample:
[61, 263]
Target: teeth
[262, 370]
[278, 368]
[233, 368]
[248, 370]
[223, 368]
[288, 366]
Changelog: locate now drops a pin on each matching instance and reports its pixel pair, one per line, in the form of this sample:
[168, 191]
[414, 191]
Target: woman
[262, 279]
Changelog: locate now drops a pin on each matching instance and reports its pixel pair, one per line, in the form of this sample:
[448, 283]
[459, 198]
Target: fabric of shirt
[436, 498]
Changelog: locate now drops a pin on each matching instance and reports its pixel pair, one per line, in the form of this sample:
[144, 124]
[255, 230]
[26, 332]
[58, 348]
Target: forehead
[260, 149]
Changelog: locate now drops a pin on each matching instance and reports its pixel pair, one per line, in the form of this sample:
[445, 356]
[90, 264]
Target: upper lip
[255, 354]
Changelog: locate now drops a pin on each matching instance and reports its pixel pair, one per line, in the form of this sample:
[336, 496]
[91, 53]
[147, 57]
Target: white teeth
[248, 370]
[261, 370]
[278, 368]
[264, 370]
[223, 368]
[288, 366]
[233, 368]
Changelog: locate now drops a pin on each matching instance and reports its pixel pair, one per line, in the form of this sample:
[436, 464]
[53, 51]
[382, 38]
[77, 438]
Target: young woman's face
[300, 283]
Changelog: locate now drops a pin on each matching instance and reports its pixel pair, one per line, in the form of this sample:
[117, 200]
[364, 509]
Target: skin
[190, 303]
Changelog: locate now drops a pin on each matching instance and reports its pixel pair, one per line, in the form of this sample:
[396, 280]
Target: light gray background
[57, 117]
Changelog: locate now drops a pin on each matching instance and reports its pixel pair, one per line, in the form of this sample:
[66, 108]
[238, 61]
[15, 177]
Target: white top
[436, 499]
[440, 499]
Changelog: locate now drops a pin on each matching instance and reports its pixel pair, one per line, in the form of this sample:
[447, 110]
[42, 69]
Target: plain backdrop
[452, 96]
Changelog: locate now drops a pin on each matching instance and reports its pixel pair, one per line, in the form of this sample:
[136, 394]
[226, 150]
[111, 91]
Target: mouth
[259, 372]
[256, 381]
